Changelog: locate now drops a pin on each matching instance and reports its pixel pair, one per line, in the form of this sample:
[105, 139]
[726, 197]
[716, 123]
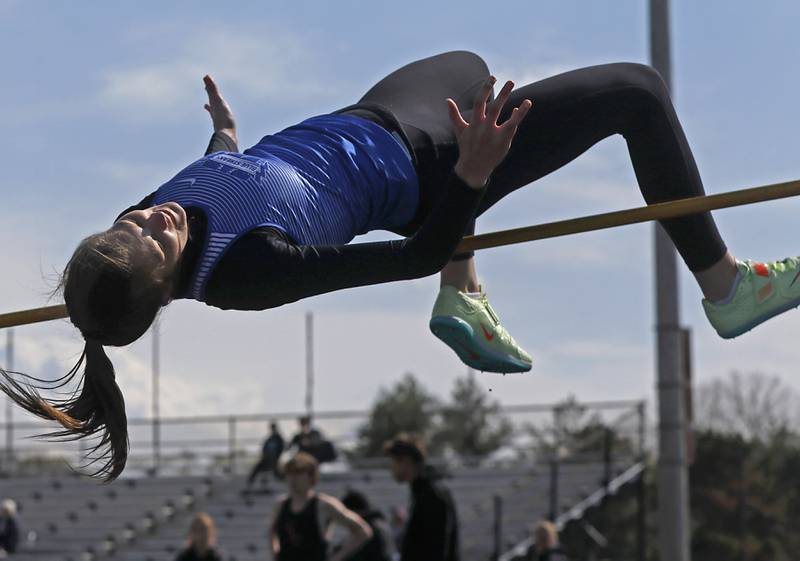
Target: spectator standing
[9, 526]
[301, 520]
[311, 441]
[201, 541]
[432, 530]
[381, 546]
[270, 454]
[306, 438]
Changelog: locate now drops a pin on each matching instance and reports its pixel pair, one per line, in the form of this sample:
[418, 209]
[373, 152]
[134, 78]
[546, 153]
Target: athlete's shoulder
[331, 502]
[328, 499]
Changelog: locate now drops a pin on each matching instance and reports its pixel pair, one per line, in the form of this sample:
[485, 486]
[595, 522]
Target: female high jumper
[424, 152]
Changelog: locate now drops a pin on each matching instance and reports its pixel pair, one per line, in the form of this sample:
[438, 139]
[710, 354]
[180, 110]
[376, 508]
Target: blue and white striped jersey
[322, 182]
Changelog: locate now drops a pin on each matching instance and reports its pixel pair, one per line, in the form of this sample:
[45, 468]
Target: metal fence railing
[229, 443]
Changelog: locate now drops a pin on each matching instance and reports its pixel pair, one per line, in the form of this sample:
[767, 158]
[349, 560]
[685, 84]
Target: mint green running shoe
[472, 329]
[765, 290]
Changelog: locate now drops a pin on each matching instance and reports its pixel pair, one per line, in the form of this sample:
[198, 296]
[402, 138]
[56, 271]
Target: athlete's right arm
[266, 271]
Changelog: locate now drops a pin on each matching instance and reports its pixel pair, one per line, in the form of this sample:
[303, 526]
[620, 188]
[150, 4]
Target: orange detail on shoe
[761, 269]
[486, 334]
[764, 292]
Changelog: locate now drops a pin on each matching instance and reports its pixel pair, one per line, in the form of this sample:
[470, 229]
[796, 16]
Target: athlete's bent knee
[643, 78]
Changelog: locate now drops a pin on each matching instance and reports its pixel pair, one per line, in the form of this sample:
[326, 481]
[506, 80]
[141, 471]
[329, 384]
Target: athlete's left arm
[360, 532]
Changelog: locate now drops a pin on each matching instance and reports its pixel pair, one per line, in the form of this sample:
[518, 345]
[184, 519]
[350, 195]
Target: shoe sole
[741, 330]
[459, 336]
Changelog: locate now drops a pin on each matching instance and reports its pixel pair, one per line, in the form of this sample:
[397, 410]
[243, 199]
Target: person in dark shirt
[9, 526]
[201, 541]
[432, 529]
[423, 153]
[306, 438]
[301, 520]
[310, 440]
[381, 546]
[270, 454]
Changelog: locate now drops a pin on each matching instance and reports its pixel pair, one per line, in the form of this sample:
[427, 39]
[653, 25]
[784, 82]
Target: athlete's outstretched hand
[218, 108]
[482, 144]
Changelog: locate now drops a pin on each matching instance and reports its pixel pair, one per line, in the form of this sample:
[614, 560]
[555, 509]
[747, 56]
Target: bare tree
[565, 434]
[755, 405]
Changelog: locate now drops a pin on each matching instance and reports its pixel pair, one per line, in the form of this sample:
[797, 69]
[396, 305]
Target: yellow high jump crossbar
[658, 211]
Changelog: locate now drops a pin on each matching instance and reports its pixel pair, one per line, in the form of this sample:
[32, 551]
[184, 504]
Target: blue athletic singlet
[323, 181]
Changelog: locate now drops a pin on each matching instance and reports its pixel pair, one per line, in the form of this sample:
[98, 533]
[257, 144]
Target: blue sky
[103, 102]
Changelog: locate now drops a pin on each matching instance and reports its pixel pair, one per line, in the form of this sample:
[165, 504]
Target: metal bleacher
[68, 518]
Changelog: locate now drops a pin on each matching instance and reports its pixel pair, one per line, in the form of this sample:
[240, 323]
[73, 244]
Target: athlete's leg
[575, 110]
[461, 274]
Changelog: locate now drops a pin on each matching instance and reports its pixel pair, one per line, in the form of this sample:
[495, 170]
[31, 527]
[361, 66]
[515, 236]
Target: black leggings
[571, 112]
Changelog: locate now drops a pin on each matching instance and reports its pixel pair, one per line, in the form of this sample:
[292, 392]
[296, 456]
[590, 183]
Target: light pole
[673, 484]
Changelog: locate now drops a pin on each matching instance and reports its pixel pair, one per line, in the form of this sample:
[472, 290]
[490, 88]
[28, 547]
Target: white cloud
[147, 88]
[272, 66]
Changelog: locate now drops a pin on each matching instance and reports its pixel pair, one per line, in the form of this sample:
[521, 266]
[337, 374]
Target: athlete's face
[299, 482]
[163, 232]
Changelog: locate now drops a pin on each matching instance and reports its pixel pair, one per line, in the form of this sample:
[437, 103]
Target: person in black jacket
[310, 440]
[432, 529]
[270, 454]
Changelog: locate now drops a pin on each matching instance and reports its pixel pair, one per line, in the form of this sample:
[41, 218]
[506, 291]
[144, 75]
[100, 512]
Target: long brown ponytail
[112, 302]
[99, 408]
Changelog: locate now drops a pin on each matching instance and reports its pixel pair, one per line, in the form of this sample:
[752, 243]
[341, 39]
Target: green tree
[743, 494]
[744, 485]
[406, 407]
[472, 425]
[745, 488]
